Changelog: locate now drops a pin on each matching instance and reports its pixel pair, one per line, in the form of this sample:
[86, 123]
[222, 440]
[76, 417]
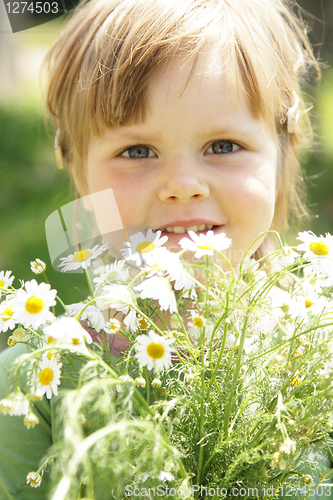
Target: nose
[183, 180]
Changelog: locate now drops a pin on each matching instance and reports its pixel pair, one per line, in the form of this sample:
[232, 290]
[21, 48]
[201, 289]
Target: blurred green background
[32, 187]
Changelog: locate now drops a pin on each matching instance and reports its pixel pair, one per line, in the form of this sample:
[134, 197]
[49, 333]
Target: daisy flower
[250, 344]
[196, 324]
[19, 335]
[112, 326]
[317, 249]
[82, 258]
[163, 261]
[31, 306]
[154, 351]
[30, 420]
[118, 297]
[174, 322]
[34, 479]
[5, 280]
[37, 266]
[205, 244]
[311, 280]
[312, 304]
[20, 404]
[68, 331]
[91, 313]
[141, 246]
[185, 283]
[112, 272]
[158, 288]
[48, 377]
[7, 322]
[302, 305]
[283, 304]
[15, 404]
[287, 257]
[253, 272]
[288, 446]
[131, 321]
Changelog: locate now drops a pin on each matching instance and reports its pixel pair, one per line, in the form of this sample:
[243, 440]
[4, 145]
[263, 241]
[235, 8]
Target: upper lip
[188, 223]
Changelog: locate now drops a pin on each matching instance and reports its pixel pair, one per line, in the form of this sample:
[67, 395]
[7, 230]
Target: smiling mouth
[197, 228]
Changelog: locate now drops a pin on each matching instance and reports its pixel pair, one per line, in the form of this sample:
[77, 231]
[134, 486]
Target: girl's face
[199, 160]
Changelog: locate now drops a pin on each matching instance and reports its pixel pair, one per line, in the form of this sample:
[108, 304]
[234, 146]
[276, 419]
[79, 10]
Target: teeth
[180, 229]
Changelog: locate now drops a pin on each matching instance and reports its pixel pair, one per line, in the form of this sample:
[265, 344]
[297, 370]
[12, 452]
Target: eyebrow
[216, 131]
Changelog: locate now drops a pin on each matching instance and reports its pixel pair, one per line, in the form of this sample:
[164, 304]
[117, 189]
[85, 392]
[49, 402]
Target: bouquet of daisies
[224, 386]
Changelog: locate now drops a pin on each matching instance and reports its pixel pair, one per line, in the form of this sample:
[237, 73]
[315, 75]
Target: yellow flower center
[34, 305]
[308, 303]
[46, 376]
[205, 247]
[145, 246]
[113, 326]
[75, 341]
[319, 248]
[50, 339]
[198, 322]
[82, 255]
[7, 312]
[155, 350]
[1, 283]
[49, 355]
[143, 324]
[35, 480]
[112, 276]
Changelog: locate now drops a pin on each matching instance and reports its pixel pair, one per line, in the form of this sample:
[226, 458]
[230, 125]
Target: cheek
[131, 193]
[251, 198]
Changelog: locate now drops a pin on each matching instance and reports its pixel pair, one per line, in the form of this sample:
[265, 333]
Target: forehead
[203, 89]
[179, 77]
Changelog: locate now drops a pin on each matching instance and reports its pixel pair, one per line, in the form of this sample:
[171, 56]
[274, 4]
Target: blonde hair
[100, 68]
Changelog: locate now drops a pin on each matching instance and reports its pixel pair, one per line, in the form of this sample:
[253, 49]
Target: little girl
[189, 111]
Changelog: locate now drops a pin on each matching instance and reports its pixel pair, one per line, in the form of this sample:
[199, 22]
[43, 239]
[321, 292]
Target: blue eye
[223, 146]
[136, 152]
[140, 151]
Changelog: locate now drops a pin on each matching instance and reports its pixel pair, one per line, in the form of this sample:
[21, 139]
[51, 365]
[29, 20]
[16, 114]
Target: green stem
[202, 408]
[234, 381]
[218, 360]
[89, 283]
[147, 385]
[207, 286]
[62, 303]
